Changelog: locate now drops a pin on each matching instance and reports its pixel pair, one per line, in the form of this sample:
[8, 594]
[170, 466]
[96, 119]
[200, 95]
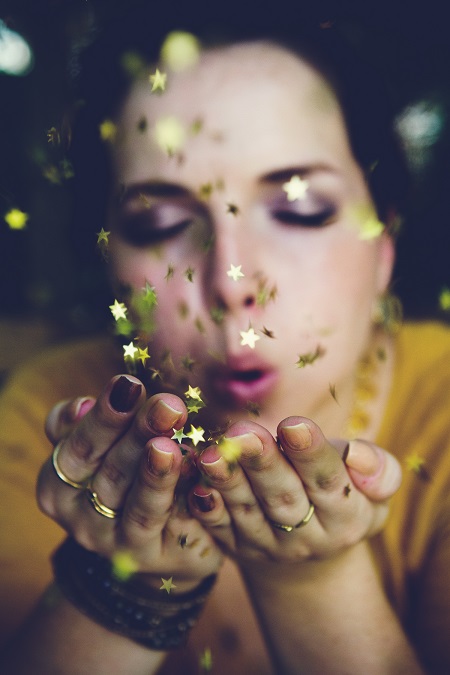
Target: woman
[245, 247]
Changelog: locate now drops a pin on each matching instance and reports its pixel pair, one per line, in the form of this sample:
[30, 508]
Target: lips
[243, 380]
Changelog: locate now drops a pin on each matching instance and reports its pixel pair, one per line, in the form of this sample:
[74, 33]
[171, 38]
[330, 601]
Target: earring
[388, 312]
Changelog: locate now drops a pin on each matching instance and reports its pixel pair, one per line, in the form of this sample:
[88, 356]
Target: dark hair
[102, 83]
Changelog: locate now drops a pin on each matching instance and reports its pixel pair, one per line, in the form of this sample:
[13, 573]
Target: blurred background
[51, 291]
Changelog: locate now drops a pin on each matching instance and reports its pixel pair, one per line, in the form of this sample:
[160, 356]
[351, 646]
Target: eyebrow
[152, 189]
[281, 175]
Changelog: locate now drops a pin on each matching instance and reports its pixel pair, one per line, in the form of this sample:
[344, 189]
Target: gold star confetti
[365, 220]
[102, 237]
[253, 408]
[235, 273]
[310, 357]
[205, 190]
[182, 540]
[178, 435]
[123, 565]
[169, 134]
[229, 449]
[295, 188]
[143, 355]
[16, 219]
[199, 325]
[180, 50]
[167, 584]
[444, 299]
[333, 393]
[194, 407]
[108, 131]
[193, 392]
[189, 274]
[206, 661]
[170, 272]
[196, 126]
[188, 363]
[416, 464]
[158, 81]
[232, 208]
[268, 333]
[53, 136]
[118, 310]
[347, 490]
[249, 338]
[196, 434]
[130, 350]
[149, 295]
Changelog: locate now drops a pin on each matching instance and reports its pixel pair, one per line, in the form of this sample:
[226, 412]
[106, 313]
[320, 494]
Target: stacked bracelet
[130, 608]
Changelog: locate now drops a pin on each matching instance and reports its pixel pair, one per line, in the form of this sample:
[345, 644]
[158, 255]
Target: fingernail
[298, 436]
[162, 417]
[248, 443]
[362, 457]
[82, 407]
[214, 465]
[203, 501]
[124, 394]
[159, 461]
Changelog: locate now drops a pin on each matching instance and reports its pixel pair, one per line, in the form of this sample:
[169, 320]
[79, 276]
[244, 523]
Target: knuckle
[114, 474]
[328, 482]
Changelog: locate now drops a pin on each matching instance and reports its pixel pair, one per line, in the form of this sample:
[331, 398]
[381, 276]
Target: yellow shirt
[413, 551]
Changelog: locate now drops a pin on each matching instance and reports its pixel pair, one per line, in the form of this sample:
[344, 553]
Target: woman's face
[265, 182]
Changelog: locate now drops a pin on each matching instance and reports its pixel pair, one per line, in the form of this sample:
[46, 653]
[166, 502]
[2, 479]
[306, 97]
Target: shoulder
[74, 368]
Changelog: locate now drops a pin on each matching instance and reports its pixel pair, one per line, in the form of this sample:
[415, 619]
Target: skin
[327, 280]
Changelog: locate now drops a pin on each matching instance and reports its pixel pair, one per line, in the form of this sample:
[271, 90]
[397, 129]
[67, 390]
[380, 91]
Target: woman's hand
[119, 450]
[308, 499]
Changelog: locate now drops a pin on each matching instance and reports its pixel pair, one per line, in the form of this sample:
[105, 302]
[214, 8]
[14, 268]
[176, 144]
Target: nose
[231, 282]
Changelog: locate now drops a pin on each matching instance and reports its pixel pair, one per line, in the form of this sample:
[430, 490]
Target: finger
[158, 416]
[318, 462]
[65, 415]
[374, 471]
[150, 502]
[80, 453]
[207, 506]
[273, 480]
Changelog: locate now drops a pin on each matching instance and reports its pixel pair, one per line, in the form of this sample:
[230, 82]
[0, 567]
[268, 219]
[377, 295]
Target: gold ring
[289, 528]
[62, 476]
[98, 506]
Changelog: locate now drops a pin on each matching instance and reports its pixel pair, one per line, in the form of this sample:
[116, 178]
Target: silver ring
[290, 528]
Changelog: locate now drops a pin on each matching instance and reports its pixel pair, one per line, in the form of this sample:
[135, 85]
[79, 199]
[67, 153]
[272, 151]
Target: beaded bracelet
[130, 608]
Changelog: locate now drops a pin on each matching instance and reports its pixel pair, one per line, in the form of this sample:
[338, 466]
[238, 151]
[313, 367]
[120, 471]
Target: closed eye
[318, 219]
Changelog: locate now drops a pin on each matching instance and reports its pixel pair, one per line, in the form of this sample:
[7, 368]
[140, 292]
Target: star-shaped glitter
[169, 134]
[130, 350]
[232, 208]
[53, 136]
[178, 435]
[123, 565]
[16, 219]
[143, 355]
[206, 662]
[295, 188]
[102, 237]
[235, 272]
[444, 299]
[416, 464]
[108, 131]
[196, 434]
[333, 393]
[189, 274]
[167, 584]
[229, 449]
[118, 310]
[170, 272]
[149, 295]
[310, 357]
[249, 338]
[268, 333]
[193, 392]
[188, 363]
[158, 81]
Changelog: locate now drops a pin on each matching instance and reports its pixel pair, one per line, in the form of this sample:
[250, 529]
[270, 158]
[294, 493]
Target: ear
[386, 259]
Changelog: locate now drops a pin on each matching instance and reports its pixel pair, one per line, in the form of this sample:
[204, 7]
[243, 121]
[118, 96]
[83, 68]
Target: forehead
[255, 97]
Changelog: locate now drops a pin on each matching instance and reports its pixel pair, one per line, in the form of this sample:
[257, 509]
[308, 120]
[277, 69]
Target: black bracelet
[130, 608]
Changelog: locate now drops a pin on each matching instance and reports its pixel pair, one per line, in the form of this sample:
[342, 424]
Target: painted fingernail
[249, 444]
[124, 394]
[214, 465]
[82, 407]
[162, 417]
[298, 436]
[362, 457]
[204, 501]
[159, 461]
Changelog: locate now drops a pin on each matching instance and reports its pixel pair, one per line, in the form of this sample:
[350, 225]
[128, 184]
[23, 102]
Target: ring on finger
[61, 475]
[101, 508]
[290, 528]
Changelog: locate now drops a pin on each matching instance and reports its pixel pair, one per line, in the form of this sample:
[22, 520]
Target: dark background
[44, 280]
